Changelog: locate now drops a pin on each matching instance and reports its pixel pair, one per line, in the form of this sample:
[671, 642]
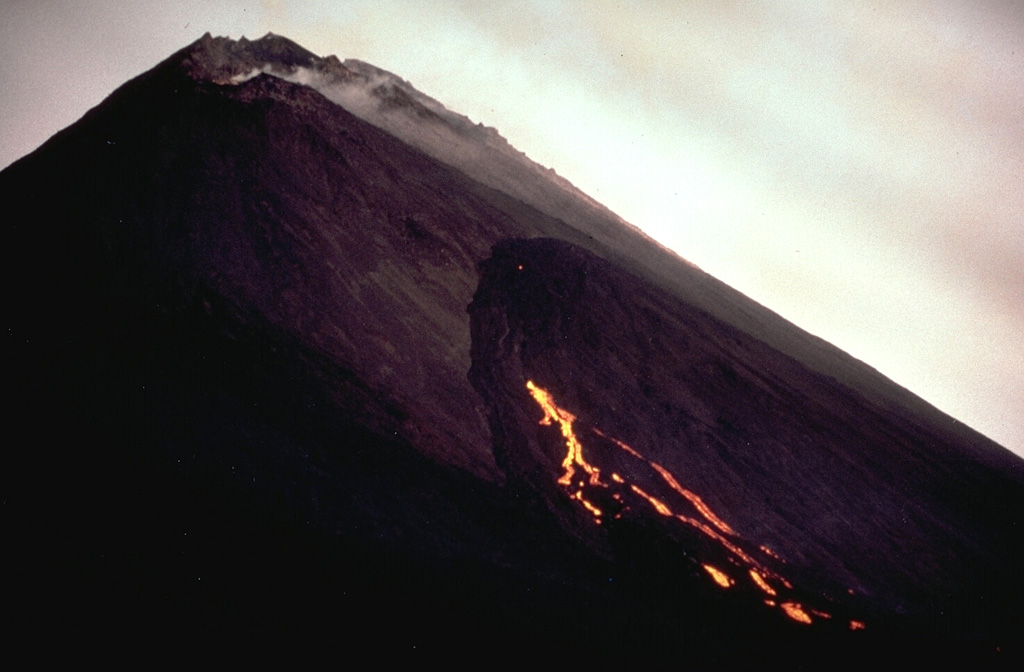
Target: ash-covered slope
[273, 360]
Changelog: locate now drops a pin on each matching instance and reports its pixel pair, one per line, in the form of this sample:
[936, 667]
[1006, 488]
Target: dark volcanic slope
[240, 354]
[272, 360]
[271, 200]
[392, 104]
[864, 508]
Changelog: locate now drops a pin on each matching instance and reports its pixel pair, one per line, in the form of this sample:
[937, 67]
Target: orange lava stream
[658, 505]
[692, 497]
[552, 414]
[761, 583]
[714, 527]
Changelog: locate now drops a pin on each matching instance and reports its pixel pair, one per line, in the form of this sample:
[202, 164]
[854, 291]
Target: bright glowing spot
[720, 577]
[856, 625]
[796, 612]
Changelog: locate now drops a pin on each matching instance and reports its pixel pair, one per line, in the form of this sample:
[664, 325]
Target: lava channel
[578, 475]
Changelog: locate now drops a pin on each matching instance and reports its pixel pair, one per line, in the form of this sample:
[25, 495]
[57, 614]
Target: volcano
[296, 351]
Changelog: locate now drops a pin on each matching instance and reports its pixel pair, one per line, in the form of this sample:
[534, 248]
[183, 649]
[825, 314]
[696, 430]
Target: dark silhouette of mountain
[295, 351]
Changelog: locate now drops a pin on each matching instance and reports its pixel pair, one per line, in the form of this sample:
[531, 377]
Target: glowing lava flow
[574, 457]
[711, 526]
[697, 502]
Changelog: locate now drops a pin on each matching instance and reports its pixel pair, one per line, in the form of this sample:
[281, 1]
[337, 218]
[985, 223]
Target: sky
[856, 166]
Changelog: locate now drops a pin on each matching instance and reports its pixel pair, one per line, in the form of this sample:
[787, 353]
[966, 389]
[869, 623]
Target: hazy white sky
[856, 166]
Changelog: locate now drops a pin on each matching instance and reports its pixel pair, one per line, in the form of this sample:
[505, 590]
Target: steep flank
[394, 105]
[865, 509]
[276, 369]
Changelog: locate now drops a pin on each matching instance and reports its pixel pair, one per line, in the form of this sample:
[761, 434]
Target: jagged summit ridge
[393, 104]
[226, 61]
[222, 60]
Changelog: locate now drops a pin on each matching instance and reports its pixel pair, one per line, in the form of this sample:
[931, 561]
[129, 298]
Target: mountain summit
[298, 350]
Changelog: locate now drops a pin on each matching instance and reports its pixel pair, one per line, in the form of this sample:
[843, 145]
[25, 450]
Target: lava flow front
[687, 508]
